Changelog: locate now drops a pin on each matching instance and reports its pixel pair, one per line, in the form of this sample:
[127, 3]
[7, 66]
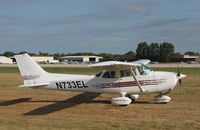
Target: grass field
[34, 109]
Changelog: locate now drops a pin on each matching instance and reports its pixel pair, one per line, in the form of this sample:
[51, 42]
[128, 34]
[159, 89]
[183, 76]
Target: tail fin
[32, 74]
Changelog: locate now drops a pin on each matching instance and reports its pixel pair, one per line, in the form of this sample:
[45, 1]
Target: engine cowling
[162, 99]
[133, 97]
[121, 101]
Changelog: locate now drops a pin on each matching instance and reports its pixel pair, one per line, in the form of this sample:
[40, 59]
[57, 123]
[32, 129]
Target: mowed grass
[36, 109]
[69, 70]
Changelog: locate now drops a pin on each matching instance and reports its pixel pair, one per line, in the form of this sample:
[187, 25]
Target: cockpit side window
[99, 74]
[109, 74]
[144, 70]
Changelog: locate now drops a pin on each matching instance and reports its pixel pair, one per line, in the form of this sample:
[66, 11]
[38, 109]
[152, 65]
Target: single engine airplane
[129, 79]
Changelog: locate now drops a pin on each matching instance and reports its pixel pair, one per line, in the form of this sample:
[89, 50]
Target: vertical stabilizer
[31, 72]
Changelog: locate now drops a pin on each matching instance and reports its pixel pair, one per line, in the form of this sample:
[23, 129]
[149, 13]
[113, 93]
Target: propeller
[179, 75]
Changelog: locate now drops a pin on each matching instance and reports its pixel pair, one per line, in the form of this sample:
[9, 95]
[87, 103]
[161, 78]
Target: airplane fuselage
[155, 82]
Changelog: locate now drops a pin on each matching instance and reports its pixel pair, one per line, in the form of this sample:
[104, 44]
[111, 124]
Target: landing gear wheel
[162, 99]
[133, 97]
[121, 101]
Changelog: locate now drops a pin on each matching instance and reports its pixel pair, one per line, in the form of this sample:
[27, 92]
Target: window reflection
[144, 70]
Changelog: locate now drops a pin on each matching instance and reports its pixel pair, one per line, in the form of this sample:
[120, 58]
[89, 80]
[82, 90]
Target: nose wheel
[161, 99]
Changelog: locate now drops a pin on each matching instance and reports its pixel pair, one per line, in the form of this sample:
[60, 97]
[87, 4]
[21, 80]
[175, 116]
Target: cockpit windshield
[99, 74]
[144, 70]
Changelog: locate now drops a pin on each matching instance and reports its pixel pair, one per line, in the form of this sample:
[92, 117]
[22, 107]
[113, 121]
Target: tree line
[161, 52]
[155, 51]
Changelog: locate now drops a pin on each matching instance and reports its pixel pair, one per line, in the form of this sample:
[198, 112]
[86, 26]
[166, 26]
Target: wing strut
[137, 82]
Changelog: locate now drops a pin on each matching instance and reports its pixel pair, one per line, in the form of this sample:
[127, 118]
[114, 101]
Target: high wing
[115, 65]
[119, 64]
[143, 61]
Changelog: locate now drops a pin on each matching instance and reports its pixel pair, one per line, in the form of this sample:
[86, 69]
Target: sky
[110, 26]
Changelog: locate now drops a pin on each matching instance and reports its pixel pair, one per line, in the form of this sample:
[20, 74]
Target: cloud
[130, 7]
[189, 32]
[108, 13]
[107, 31]
[17, 2]
[110, 26]
[139, 7]
[163, 22]
[72, 19]
[117, 10]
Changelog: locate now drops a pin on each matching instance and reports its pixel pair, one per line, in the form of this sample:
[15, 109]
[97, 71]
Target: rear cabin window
[125, 73]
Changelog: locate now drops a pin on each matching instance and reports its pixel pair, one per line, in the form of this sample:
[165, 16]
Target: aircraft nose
[181, 76]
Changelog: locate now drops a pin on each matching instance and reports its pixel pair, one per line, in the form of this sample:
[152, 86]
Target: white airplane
[129, 79]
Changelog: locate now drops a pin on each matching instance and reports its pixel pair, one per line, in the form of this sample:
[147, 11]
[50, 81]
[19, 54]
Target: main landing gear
[121, 101]
[124, 100]
[162, 99]
[133, 97]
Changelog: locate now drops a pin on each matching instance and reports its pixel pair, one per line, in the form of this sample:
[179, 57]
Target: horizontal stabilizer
[34, 85]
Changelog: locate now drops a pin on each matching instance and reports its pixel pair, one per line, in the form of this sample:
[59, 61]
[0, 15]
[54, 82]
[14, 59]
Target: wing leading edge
[143, 61]
[119, 64]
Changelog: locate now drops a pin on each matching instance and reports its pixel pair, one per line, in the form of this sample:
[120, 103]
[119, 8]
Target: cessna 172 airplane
[129, 79]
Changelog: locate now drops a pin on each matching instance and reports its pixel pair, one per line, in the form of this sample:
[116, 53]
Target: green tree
[130, 53]
[22, 52]
[142, 50]
[176, 55]
[166, 49]
[154, 52]
[129, 56]
[43, 53]
[8, 54]
[191, 53]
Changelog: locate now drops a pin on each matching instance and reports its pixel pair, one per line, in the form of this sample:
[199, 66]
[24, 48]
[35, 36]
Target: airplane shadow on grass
[59, 105]
[73, 101]
[14, 101]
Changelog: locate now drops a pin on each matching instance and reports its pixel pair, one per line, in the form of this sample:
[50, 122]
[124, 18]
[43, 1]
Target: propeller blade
[179, 74]
[180, 82]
